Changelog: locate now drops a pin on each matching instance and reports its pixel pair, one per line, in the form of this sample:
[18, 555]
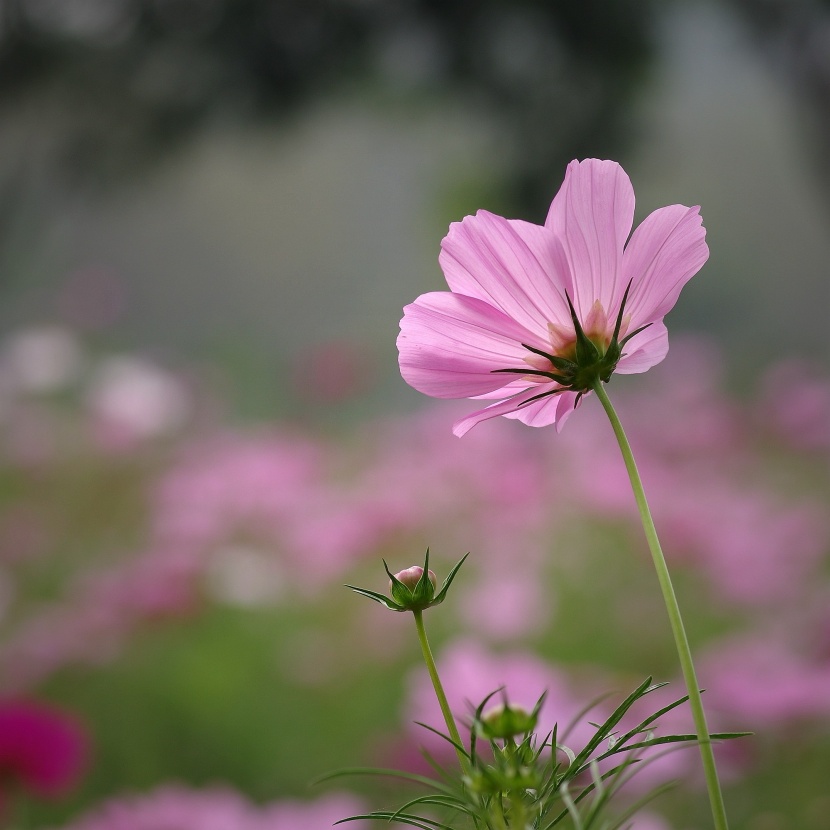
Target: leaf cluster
[538, 785]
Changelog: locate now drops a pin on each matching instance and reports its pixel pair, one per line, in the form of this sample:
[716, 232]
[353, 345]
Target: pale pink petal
[465, 424]
[568, 407]
[502, 392]
[450, 344]
[551, 410]
[510, 281]
[515, 266]
[644, 350]
[592, 215]
[664, 252]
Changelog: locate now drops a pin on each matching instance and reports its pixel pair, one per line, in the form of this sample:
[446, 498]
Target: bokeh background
[211, 214]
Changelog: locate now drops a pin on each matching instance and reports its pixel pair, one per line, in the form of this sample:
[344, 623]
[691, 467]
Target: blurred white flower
[134, 399]
[43, 358]
[244, 575]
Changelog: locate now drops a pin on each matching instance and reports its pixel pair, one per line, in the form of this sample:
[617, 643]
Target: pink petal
[555, 409]
[664, 252]
[450, 344]
[515, 266]
[502, 392]
[644, 350]
[464, 425]
[592, 215]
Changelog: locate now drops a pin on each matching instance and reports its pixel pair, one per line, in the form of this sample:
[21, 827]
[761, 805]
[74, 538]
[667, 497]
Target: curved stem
[680, 639]
[439, 689]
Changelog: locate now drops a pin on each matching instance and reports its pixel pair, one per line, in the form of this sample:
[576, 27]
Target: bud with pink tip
[412, 589]
[412, 576]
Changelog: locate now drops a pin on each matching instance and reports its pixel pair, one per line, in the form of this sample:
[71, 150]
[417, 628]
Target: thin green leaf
[387, 773]
[641, 802]
[649, 720]
[477, 716]
[589, 789]
[451, 778]
[454, 804]
[570, 808]
[440, 734]
[615, 717]
[404, 818]
[582, 712]
[673, 739]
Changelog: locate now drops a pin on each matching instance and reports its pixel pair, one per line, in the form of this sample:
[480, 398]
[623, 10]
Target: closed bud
[411, 576]
[506, 721]
[409, 588]
[412, 589]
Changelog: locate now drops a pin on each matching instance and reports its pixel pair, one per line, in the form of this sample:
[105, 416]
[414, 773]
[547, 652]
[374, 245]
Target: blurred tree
[107, 85]
[795, 34]
[117, 82]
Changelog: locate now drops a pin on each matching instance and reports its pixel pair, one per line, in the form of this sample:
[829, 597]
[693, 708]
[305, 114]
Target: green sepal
[562, 363]
[381, 598]
[587, 352]
[442, 594]
[418, 598]
[633, 333]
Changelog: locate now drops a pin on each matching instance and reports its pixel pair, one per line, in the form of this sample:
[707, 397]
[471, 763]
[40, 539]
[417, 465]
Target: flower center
[564, 342]
[580, 357]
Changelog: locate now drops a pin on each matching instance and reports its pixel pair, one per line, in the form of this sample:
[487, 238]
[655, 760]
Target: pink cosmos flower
[536, 314]
[470, 672]
[174, 807]
[43, 750]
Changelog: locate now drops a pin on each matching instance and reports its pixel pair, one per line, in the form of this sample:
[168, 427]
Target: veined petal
[644, 350]
[592, 215]
[553, 410]
[664, 252]
[506, 407]
[513, 265]
[506, 391]
[450, 344]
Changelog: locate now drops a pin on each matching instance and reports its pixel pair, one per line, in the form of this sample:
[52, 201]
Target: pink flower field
[179, 595]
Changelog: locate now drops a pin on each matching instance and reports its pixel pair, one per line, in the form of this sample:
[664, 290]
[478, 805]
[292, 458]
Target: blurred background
[211, 215]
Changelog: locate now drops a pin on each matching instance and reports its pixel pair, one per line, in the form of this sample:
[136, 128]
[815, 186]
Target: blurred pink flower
[43, 750]
[801, 417]
[332, 372]
[179, 808]
[505, 605]
[763, 683]
[648, 821]
[469, 673]
[508, 315]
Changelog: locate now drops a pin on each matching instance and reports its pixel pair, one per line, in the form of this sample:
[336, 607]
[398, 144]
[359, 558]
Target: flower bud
[409, 588]
[411, 576]
[412, 589]
[506, 721]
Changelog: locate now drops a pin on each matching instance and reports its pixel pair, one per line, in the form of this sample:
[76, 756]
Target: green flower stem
[680, 639]
[439, 689]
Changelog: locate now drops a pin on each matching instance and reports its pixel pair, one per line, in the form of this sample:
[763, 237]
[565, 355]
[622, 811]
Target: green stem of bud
[452, 729]
[518, 813]
[680, 639]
